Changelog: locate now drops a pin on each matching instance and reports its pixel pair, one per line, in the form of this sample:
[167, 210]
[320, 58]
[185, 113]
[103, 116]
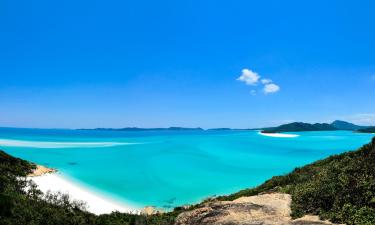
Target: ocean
[166, 169]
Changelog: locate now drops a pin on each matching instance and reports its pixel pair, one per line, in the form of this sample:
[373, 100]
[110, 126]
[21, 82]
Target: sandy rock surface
[266, 209]
[40, 170]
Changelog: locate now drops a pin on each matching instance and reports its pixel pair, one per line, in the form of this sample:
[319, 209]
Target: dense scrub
[340, 188]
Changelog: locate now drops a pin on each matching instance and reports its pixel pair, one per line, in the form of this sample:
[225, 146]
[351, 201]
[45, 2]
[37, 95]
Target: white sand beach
[96, 203]
[279, 135]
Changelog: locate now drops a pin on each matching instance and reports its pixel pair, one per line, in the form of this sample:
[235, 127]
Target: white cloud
[249, 77]
[266, 81]
[271, 88]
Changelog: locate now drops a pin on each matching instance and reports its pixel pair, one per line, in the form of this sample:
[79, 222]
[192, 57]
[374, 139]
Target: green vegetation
[343, 125]
[367, 130]
[340, 188]
[19, 206]
[299, 126]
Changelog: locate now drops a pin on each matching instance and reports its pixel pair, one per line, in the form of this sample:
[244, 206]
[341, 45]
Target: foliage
[367, 130]
[340, 188]
[22, 203]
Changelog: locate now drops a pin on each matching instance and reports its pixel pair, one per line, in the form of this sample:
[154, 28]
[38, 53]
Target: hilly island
[300, 126]
[367, 130]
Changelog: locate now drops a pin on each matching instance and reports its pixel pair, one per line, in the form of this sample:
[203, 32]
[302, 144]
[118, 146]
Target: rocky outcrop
[150, 210]
[41, 170]
[266, 209]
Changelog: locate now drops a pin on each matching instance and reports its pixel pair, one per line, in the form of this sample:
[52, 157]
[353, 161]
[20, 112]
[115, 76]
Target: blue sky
[73, 64]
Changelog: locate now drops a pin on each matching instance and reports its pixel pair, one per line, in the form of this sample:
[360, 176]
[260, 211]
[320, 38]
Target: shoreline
[49, 180]
[41, 170]
[280, 135]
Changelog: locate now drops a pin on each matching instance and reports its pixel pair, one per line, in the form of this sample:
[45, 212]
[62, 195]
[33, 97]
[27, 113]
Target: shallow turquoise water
[166, 168]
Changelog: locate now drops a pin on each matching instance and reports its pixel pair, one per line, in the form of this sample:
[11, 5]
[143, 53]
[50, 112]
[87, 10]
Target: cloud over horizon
[250, 77]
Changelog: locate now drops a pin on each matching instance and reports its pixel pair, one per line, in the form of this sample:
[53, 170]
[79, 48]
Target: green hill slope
[340, 188]
[343, 125]
[299, 126]
[367, 130]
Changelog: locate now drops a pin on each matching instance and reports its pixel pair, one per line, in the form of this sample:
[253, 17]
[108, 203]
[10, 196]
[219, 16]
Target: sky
[211, 63]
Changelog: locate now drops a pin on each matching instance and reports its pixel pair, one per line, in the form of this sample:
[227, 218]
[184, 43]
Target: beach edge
[49, 180]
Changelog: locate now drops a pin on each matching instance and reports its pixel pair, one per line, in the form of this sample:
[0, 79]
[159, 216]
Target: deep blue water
[171, 168]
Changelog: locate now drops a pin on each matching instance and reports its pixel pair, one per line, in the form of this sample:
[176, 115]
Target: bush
[340, 188]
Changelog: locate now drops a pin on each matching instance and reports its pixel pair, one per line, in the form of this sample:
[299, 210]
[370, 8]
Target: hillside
[340, 188]
[299, 126]
[343, 125]
[367, 130]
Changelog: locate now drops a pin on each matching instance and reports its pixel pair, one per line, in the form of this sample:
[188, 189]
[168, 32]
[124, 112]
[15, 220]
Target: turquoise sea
[171, 168]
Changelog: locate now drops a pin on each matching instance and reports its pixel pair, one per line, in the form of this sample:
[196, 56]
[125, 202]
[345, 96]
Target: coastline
[41, 170]
[279, 135]
[49, 180]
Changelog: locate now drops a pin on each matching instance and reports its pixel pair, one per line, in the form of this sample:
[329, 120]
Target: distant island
[227, 129]
[367, 130]
[169, 129]
[300, 126]
[148, 129]
[290, 127]
[343, 125]
[224, 128]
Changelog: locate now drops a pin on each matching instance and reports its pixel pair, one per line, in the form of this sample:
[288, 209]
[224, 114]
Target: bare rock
[41, 170]
[150, 210]
[266, 209]
[310, 220]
